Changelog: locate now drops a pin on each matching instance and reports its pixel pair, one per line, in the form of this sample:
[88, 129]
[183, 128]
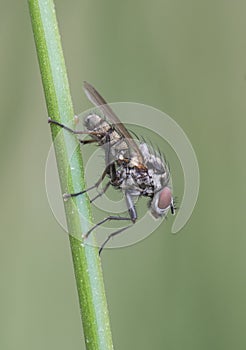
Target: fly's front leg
[131, 210]
[111, 236]
[133, 218]
[109, 218]
[131, 207]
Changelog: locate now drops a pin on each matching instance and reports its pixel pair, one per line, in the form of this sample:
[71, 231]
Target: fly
[135, 169]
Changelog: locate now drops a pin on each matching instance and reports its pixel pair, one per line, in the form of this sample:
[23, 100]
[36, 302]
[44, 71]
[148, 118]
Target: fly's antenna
[175, 202]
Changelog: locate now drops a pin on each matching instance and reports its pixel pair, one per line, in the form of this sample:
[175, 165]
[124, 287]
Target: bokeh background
[186, 291]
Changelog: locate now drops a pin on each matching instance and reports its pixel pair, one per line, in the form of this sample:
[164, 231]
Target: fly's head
[162, 202]
[158, 171]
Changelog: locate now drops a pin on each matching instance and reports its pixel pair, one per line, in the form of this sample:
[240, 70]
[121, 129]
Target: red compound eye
[165, 198]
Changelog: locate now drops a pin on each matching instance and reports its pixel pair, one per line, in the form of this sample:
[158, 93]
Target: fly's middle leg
[102, 192]
[69, 195]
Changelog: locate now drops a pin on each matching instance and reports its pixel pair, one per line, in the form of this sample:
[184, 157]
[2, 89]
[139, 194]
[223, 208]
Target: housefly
[132, 166]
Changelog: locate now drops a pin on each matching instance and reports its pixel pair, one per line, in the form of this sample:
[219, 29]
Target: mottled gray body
[134, 167]
[147, 178]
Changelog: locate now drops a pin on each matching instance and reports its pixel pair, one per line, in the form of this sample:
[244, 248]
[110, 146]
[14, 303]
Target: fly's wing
[95, 98]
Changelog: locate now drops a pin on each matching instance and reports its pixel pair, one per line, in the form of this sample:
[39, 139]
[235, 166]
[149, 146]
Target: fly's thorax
[127, 180]
[136, 181]
[157, 168]
[134, 162]
[151, 159]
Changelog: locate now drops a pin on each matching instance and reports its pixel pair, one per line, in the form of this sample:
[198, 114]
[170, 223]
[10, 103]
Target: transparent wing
[95, 98]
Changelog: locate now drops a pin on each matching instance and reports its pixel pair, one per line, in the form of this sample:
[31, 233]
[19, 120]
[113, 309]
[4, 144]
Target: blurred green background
[187, 291]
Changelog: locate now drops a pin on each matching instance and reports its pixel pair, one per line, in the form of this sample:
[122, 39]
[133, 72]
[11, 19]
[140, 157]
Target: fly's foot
[66, 196]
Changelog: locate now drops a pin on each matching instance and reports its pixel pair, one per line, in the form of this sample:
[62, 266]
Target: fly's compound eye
[166, 199]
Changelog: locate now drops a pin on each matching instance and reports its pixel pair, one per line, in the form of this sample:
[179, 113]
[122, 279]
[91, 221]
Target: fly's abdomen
[97, 125]
[106, 135]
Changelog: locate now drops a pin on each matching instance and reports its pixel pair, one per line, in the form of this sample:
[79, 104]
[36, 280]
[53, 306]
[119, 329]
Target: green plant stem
[86, 261]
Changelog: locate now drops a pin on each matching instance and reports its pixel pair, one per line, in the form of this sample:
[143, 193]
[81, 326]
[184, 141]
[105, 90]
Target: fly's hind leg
[107, 170]
[75, 132]
[85, 142]
[52, 121]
